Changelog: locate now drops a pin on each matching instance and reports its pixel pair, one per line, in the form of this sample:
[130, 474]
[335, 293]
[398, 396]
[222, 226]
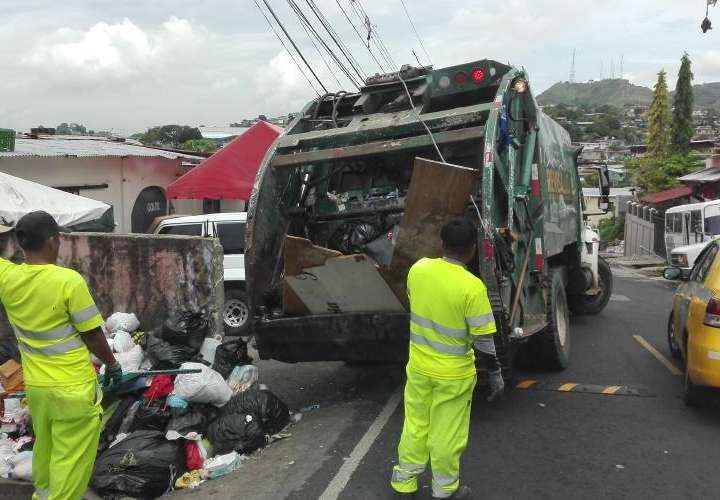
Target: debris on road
[161, 431]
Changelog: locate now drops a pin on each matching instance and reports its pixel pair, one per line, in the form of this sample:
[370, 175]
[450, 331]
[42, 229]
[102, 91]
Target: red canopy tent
[230, 173]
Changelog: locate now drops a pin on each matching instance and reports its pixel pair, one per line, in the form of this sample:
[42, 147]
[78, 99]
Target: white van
[229, 228]
[688, 228]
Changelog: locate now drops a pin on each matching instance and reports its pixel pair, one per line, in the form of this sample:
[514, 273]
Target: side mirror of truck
[672, 273]
[604, 181]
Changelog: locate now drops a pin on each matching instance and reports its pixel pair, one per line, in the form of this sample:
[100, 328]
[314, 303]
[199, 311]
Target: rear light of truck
[477, 75]
[460, 78]
[712, 313]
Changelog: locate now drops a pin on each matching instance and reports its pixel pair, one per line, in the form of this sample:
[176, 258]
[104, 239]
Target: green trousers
[66, 422]
[437, 422]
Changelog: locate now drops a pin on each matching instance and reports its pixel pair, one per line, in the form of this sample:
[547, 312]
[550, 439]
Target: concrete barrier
[152, 276]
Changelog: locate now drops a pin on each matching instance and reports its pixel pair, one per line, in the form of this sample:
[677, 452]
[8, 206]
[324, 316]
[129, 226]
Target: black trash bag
[236, 431]
[8, 349]
[152, 417]
[112, 426]
[351, 237]
[268, 409]
[167, 356]
[194, 418]
[188, 329]
[229, 355]
[143, 465]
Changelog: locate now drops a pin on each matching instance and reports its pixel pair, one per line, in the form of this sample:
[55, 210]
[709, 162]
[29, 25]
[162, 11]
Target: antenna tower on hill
[572, 68]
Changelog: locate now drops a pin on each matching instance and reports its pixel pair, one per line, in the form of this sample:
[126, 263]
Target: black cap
[35, 228]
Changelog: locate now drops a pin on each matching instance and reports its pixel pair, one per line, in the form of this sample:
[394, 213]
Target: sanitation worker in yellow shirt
[57, 325]
[450, 314]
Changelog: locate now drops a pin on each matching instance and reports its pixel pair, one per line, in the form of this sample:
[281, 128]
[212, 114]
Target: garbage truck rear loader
[359, 185]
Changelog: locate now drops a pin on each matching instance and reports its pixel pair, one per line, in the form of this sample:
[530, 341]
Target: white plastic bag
[126, 322]
[122, 342]
[6, 453]
[129, 361]
[208, 386]
[22, 466]
[242, 378]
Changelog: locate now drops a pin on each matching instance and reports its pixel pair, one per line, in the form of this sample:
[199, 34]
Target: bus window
[696, 227]
[712, 220]
[674, 230]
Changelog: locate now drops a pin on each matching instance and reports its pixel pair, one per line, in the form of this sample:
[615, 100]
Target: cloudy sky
[126, 65]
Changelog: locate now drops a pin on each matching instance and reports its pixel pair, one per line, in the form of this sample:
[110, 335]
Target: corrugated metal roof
[54, 146]
[667, 195]
[704, 175]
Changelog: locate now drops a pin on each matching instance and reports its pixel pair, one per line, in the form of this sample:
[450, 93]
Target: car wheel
[694, 395]
[236, 313]
[672, 343]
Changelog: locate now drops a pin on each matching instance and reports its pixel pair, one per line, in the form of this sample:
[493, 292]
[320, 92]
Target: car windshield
[232, 236]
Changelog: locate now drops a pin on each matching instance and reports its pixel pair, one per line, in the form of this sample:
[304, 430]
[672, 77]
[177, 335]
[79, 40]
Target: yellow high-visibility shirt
[49, 307]
[448, 307]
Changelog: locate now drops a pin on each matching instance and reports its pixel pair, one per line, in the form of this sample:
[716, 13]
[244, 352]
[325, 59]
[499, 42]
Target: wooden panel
[438, 193]
[378, 147]
[344, 284]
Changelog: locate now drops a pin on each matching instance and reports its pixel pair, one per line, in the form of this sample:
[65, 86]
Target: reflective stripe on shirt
[455, 333]
[457, 350]
[85, 314]
[480, 321]
[54, 334]
[52, 350]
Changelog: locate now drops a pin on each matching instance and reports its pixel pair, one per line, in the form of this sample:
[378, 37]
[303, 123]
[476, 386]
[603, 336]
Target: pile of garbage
[173, 430]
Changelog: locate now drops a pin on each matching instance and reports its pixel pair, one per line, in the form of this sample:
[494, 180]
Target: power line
[286, 48]
[360, 37]
[337, 39]
[303, 19]
[293, 44]
[377, 39]
[416, 31]
[327, 64]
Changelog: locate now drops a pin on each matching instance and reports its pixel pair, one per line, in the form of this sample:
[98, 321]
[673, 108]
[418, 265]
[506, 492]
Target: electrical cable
[417, 115]
[337, 39]
[282, 27]
[378, 38]
[407, 13]
[286, 48]
[360, 37]
[327, 64]
[303, 19]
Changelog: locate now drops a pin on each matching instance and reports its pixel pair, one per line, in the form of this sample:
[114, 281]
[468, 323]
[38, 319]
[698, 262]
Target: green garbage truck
[358, 186]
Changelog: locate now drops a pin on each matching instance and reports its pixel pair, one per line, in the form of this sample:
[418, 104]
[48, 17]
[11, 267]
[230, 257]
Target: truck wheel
[593, 304]
[672, 343]
[551, 347]
[236, 313]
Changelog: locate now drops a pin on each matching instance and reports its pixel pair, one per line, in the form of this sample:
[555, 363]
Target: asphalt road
[538, 443]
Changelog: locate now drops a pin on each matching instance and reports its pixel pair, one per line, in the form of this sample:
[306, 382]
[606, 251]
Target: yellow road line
[612, 389]
[567, 387]
[526, 384]
[666, 362]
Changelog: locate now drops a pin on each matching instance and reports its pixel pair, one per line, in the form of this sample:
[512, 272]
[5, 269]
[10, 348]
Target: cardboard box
[11, 377]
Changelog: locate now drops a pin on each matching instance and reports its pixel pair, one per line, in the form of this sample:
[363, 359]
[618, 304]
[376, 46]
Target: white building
[131, 178]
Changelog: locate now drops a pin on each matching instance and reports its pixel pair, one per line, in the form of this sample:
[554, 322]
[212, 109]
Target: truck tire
[550, 349]
[593, 304]
[236, 312]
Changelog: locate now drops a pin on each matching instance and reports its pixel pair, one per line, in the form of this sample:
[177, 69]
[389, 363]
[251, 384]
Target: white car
[684, 257]
[229, 228]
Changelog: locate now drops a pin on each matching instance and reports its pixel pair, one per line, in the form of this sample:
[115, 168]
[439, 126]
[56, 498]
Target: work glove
[497, 385]
[113, 376]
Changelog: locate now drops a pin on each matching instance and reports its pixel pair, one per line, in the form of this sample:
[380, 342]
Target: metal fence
[644, 231]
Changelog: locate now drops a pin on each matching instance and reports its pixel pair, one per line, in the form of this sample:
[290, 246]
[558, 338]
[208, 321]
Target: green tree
[682, 119]
[200, 145]
[652, 174]
[659, 120]
[63, 129]
[170, 135]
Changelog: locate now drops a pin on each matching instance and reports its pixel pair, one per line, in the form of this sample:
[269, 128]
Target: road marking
[658, 355]
[612, 389]
[341, 479]
[567, 387]
[607, 390]
[526, 384]
[616, 297]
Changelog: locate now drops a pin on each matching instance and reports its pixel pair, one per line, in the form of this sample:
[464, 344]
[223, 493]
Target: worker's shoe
[462, 493]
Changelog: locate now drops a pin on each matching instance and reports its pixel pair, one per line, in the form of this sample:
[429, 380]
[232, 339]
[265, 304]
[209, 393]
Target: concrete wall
[151, 276]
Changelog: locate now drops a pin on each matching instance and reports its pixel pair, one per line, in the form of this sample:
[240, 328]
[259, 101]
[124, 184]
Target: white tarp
[18, 197]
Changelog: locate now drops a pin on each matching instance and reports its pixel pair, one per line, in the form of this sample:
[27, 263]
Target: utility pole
[622, 61]
[572, 68]
[612, 69]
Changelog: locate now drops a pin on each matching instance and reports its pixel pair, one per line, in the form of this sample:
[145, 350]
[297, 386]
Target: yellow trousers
[437, 422]
[66, 422]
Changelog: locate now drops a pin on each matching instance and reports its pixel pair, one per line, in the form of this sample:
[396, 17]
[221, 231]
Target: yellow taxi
[694, 323]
